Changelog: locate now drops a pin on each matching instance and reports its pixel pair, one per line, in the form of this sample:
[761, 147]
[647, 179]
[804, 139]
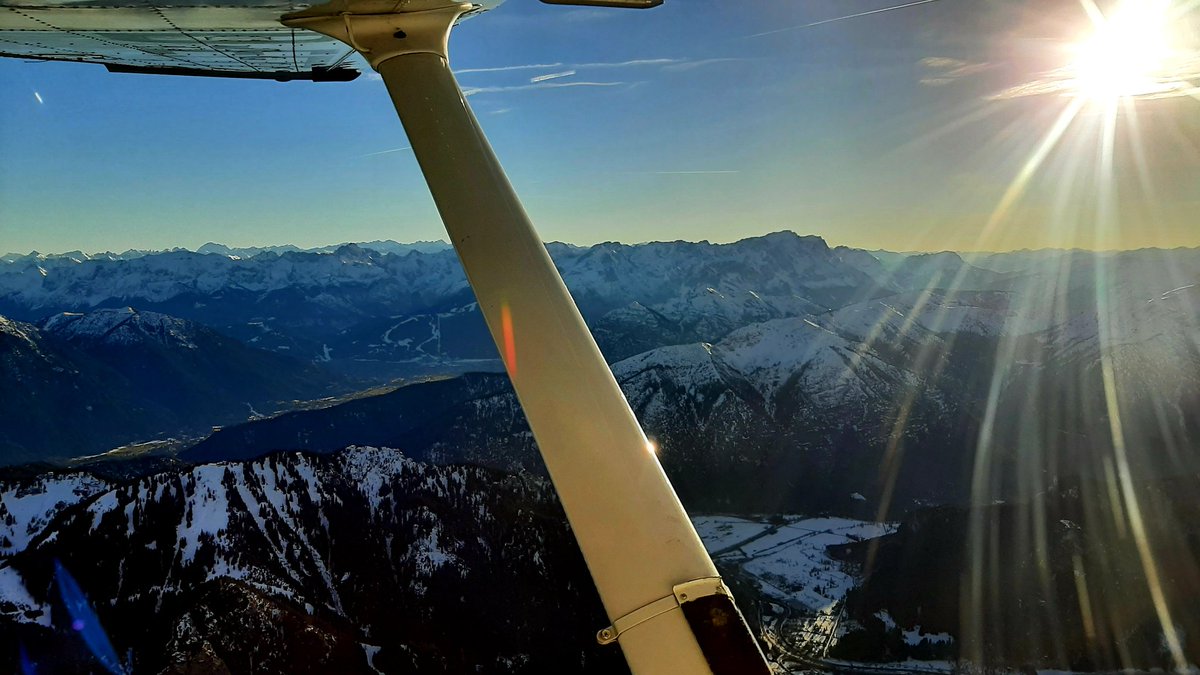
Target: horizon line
[9, 256]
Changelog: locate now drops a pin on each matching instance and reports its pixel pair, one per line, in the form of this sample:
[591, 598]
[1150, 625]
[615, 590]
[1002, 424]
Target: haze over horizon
[329, 245]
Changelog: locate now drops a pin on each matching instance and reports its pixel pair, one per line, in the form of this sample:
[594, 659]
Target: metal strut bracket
[681, 593]
[379, 37]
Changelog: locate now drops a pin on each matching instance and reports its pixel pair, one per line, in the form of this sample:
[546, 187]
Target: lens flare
[510, 340]
[85, 622]
[1142, 49]
[1129, 54]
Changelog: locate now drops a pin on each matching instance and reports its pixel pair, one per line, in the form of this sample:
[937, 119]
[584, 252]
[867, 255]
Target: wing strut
[642, 551]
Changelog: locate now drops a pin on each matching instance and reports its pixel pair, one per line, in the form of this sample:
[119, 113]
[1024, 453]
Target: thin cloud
[1175, 80]
[691, 173]
[942, 62]
[472, 91]
[944, 70]
[562, 70]
[550, 76]
[505, 69]
[629, 64]
[841, 18]
[1039, 87]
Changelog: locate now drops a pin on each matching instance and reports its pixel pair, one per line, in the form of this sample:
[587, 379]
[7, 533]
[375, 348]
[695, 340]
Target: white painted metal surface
[635, 535]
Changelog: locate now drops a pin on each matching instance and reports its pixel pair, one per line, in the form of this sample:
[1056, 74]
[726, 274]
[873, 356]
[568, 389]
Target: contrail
[842, 18]
[384, 152]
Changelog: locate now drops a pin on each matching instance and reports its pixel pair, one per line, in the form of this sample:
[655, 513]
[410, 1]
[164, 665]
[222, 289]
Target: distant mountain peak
[123, 326]
[788, 239]
[351, 248]
[213, 247]
[935, 255]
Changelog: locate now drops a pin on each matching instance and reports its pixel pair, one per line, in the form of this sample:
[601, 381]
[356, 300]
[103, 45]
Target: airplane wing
[231, 38]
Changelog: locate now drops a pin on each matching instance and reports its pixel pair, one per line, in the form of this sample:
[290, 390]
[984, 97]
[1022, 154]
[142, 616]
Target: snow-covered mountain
[885, 398]
[28, 505]
[770, 349]
[777, 375]
[122, 327]
[79, 384]
[44, 384]
[384, 246]
[364, 561]
[381, 245]
[383, 311]
[76, 256]
[357, 305]
[368, 561]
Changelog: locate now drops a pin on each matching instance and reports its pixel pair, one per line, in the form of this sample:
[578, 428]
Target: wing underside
[236, 39]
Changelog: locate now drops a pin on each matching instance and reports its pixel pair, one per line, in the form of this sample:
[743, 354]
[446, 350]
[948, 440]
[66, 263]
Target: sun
[1128, 54]
[1137, 51]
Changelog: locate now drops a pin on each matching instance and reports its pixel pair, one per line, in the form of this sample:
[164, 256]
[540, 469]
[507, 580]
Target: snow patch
[24, 608]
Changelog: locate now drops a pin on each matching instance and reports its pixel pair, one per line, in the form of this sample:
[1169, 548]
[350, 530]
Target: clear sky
[906, 129]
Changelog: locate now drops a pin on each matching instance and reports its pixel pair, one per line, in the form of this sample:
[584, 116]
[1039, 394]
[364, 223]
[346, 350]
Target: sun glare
[1136, 50]
[1127, 55]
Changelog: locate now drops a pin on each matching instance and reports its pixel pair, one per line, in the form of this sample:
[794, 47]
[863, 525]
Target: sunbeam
[1021, 181]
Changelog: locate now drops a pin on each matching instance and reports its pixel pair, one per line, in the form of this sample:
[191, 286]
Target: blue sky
[882, 131]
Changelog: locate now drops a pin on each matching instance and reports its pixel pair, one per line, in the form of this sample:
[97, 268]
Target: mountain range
[383, 246]
[740, 358]
[383, 312]
[776, 375]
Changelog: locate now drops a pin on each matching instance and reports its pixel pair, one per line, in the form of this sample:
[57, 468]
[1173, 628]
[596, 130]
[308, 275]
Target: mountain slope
[770, 402]
[85, 383]
[28, 505]
[362, 556]
[883, 398]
